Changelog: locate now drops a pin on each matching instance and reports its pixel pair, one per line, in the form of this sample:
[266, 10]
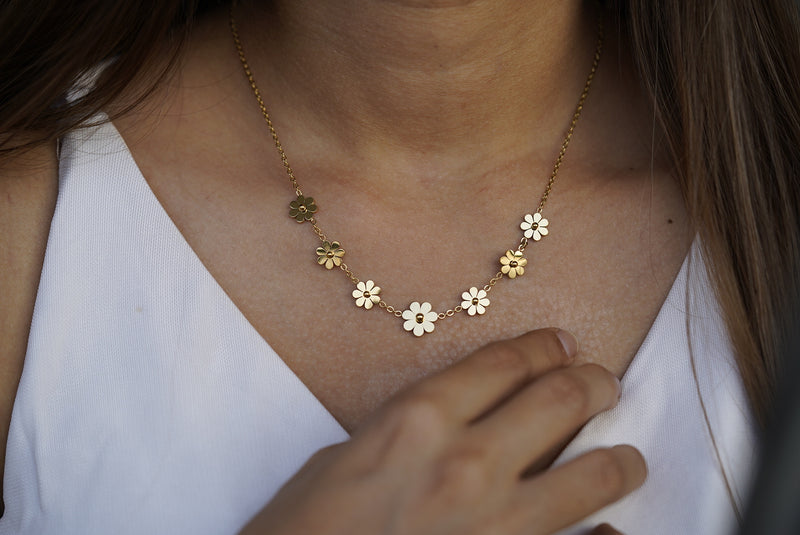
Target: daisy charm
[330, 254]
[513, 264]
[366, 294]
[474, 301]
[534, 226]
[419, 318]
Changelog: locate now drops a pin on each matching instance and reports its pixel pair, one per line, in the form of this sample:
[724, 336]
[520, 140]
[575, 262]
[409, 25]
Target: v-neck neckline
[179, 239]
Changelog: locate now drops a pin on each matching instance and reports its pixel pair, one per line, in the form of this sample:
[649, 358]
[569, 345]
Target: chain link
[577, 115]
[350, 275]
[390, 309]
[261, 105]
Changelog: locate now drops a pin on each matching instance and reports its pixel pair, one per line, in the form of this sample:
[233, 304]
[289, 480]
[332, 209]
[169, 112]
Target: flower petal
[431, 317]
[425, 308]
[481, 309]
[471, 310]
[360, 301]
[528, 233]
[537, 217]
[410, 325]
[368, 303]
[428, 327]
[409, 315]
[357, 293]
[520, 270]
[419, 330]
[543, 230]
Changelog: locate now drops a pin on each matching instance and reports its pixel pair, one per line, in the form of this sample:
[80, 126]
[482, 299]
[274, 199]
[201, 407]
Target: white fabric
[148, 404]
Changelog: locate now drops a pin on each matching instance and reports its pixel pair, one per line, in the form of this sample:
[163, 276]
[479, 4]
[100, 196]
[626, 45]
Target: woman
[153, 398]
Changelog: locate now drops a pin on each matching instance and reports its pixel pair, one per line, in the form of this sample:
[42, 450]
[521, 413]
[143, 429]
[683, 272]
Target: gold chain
[305, 206]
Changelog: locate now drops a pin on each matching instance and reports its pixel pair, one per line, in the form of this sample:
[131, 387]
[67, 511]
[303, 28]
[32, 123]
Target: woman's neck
[447, 79]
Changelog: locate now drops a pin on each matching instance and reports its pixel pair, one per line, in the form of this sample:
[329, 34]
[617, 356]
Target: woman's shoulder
[28, 190]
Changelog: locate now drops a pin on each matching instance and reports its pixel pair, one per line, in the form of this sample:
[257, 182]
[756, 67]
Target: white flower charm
[366, 294]
[535, 226]
[419, 318]
[474, 301]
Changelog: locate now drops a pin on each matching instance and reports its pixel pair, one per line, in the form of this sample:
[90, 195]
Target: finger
[565, 494]
[605, 529]
[474, 385]
[545, 413]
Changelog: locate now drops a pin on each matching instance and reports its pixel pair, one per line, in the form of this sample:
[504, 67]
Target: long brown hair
[725, 80]
[724, 77]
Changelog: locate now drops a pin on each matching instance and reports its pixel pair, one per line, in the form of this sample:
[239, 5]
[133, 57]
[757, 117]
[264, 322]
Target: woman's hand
[465, 452]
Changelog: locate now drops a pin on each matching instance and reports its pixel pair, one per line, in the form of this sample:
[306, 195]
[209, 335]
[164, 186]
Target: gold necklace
[419, 318]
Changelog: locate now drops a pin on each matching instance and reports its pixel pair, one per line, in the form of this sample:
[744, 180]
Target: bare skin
[423, 160]
[28, 188]
[425, 132]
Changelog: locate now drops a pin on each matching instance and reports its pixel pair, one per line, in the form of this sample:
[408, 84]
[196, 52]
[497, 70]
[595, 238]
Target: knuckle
[461, 477]
[570, 391]
[507, 356]
[609, 474]
[416, 416]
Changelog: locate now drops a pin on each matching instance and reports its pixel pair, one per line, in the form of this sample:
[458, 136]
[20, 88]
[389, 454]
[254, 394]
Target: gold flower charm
[366, 294]
[302, 209]
[330, 254]
[513, 264]
[534, 226]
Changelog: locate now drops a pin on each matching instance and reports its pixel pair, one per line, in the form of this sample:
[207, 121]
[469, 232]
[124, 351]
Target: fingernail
[568, 342]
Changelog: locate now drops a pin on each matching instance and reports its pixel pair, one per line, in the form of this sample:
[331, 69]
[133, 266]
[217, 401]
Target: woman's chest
[602, 274]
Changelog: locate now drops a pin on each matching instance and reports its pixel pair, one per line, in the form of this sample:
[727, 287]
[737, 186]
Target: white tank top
[149, 404]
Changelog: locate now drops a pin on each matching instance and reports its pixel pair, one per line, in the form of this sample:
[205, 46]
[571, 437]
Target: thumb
[605, 529]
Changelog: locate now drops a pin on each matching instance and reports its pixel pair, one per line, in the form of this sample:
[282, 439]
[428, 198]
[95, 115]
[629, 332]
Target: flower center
[366, 294]
[420, 317]
[513, 263]
[302, 209]
[534, 226]
[329, 254]
[474, 300]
